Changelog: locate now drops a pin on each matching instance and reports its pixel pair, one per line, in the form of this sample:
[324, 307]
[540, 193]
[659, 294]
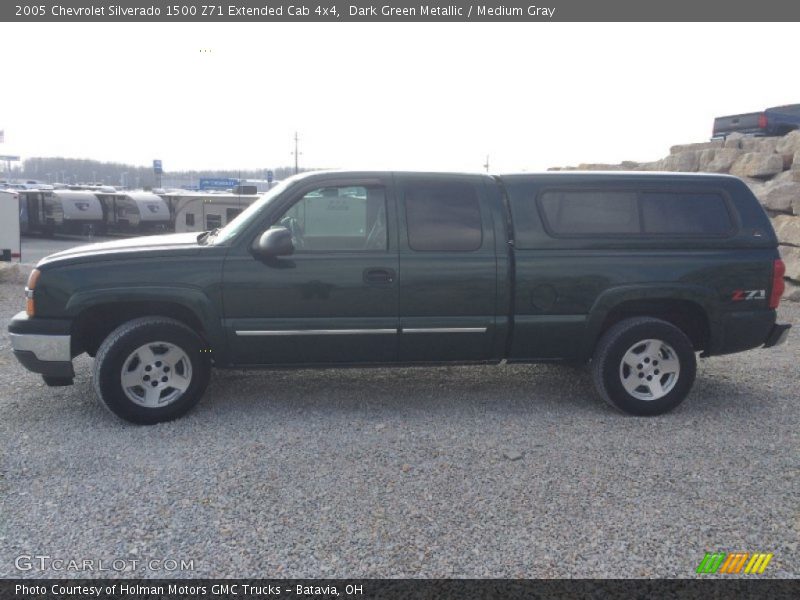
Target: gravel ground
[443, 472]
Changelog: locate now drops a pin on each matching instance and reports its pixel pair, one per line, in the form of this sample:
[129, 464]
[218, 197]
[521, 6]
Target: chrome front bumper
[46, 348]
[43, 346]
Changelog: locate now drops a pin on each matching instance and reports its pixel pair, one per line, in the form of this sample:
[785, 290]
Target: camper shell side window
[642, 212]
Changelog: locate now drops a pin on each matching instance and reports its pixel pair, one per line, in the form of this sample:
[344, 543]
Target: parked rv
[261, 185]
[40, 212]
[203, 211]
[133, 211]
[82, 211]
[10, 246]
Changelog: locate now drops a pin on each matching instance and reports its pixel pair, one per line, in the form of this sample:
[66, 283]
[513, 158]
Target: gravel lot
[406, 473]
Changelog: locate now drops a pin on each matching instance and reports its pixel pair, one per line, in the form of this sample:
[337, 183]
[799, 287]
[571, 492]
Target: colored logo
[734, 562]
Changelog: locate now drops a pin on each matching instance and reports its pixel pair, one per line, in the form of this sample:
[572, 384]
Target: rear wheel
[644, 366]
[151, 370]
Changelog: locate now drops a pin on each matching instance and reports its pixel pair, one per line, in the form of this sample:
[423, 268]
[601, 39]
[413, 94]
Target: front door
[334, 301]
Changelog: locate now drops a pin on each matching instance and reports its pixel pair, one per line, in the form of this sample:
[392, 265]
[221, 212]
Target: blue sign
[213, 183]
[157, 168]
[270, 176]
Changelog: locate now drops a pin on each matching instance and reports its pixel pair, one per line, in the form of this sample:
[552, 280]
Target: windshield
[242, 220]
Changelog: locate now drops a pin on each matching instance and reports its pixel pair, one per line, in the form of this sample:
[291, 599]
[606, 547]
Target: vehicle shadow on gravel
[714, 393]
[515, 388]
[524, 391]
[533, 391]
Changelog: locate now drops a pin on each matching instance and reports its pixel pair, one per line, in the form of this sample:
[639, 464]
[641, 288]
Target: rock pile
[769, 165]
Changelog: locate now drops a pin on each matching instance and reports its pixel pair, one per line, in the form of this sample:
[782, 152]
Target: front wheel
[644, 366]
[150, 370]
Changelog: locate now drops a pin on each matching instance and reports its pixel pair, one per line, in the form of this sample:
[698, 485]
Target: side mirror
[274, 242]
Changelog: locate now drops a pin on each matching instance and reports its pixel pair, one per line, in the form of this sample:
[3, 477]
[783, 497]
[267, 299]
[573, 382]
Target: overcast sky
[396, 96]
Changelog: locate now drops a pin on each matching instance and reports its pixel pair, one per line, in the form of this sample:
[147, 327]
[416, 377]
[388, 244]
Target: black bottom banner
[369, 589]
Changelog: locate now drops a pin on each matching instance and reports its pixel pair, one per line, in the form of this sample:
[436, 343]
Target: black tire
[609, 368]
[116, 351]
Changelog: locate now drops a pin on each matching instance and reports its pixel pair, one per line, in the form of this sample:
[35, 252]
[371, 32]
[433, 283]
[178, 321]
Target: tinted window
[525, 217]
[189, 220]
[684, 213]
[329, 219]
[213, 221]
[443, 217]
[590, 212]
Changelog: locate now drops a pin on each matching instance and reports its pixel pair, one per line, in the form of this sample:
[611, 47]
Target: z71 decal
[739, 295]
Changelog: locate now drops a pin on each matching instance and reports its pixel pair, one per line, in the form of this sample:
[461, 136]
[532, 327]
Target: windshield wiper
[206, 236]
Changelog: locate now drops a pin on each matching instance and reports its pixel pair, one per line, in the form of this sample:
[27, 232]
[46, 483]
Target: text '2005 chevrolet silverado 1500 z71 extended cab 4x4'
[632, 272]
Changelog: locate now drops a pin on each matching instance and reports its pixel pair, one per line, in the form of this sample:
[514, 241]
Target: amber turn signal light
[29, 287]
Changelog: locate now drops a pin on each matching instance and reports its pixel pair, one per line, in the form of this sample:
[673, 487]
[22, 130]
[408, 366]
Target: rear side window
[602, 213]
[443, 217]
[684, 213]
[590, 212]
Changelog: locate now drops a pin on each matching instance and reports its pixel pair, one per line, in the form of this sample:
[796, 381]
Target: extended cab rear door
[448, 269]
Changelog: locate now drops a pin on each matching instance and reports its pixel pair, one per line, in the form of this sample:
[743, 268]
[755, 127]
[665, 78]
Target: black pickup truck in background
[778, 120]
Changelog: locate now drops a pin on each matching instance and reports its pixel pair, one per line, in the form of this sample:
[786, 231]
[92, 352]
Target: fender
[611, 298]
[189, 297]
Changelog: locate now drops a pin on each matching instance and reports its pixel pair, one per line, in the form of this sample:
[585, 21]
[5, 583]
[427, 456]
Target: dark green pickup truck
[632, 272]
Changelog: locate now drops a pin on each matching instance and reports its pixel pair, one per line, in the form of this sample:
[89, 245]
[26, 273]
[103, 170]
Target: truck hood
[112, 250]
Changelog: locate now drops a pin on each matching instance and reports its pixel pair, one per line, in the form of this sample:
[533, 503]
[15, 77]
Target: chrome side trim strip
[287, 332]
[444, 330]
[55, 348]
[279, 332]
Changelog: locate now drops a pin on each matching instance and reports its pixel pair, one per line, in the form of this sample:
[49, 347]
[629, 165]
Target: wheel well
[93, 325]
[686, 315]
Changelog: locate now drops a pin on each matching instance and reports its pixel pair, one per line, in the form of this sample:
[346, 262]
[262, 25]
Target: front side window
[443, 217]
[338, 219]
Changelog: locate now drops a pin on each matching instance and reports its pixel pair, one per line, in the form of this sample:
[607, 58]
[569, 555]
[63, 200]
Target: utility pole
[486, 164]
[296, 154]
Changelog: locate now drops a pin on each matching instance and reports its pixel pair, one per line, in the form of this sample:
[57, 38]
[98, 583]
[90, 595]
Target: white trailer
[125, 211]
[198, 211]
[82, 211]
[10, 244]
[40, 211]
[262, 185]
